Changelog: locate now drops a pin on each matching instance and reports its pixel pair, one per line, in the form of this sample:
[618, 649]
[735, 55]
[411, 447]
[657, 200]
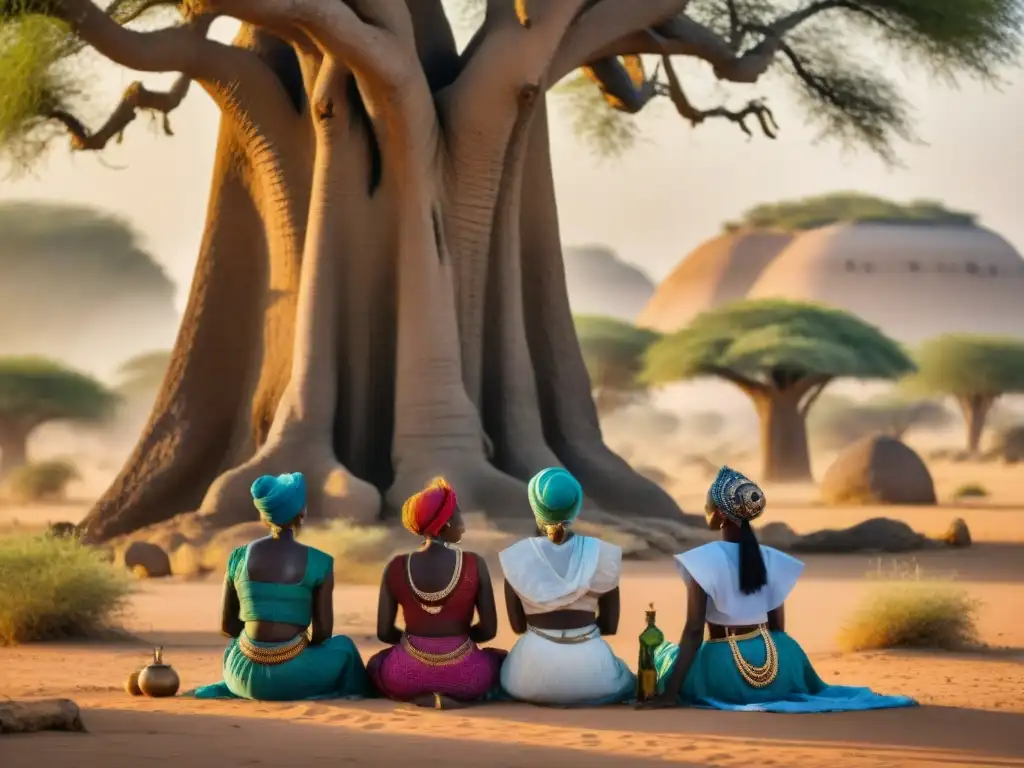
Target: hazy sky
[652, 206]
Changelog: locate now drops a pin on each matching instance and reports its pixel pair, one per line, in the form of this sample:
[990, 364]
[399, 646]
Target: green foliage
[142, 375]
[56, 588]
[35, 80]
[42, 480]
[34, 390]
[765, 339]
[613, 351]
[821, 210]
[609, 132]
[837, 421]
[830, 59]
[966, 365]
[912, 614]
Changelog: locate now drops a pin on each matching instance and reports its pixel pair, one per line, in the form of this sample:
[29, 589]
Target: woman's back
[275, 583]
[715, 567]
[439, 601]
[572, 575]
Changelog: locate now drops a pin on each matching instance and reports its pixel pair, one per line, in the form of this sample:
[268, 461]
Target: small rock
[958, 534]
[144, 557]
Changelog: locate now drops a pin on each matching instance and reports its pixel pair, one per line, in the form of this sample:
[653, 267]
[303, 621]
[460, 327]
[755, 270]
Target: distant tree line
[784, 354]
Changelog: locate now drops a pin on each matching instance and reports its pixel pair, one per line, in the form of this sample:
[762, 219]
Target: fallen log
[42, 715]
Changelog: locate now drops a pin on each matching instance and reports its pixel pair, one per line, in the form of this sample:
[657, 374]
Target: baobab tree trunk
[337, 324]
[975, 409]
[785, 457]
[13, 447]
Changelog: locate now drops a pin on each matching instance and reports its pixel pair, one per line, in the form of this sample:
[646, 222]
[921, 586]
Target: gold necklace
[754, 676]
[435, 597]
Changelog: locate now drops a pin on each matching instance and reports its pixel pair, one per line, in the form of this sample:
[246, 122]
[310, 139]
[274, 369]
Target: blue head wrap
[279, 499]
[736, 496]
[555, 496]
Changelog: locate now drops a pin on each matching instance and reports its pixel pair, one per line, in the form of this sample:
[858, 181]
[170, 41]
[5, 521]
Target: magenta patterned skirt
[419, 667]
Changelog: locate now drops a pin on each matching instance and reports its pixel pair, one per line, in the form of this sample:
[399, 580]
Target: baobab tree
[379, 295]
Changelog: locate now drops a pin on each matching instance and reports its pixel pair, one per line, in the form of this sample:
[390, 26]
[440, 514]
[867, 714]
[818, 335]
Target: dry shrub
[55, 588]
[42, 480]
[360, 552]
[970, 491]
[912, 614]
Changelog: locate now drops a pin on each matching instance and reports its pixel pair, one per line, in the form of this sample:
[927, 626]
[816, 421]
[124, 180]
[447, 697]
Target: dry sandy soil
[972, 713]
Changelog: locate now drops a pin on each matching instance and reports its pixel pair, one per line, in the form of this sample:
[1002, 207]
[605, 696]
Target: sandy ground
[972, 715]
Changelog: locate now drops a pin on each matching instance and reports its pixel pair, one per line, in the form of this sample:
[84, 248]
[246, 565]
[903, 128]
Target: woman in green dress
[278, 611]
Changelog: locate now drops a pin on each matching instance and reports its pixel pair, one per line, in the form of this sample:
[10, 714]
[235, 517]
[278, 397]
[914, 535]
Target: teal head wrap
[736, 496]
[555, 496]
[279, 499]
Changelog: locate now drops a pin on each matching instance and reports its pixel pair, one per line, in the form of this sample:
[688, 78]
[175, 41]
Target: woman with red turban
[435, 661]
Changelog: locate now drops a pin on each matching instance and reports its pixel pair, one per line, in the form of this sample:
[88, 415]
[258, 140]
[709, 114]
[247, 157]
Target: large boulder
[878, 534]
[878, 470]
[1009, 444]
[147, 560]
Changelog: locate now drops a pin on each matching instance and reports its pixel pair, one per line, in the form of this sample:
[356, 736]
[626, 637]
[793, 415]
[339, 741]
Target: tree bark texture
[13, 447]
[380, 296]
[975, 409]
[785, 455]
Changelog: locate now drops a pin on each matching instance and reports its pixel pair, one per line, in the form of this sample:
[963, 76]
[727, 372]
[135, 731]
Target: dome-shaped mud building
[913, 280]
[720, 270]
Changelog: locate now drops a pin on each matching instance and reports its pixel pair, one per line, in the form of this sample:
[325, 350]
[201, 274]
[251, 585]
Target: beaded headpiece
[736, 496]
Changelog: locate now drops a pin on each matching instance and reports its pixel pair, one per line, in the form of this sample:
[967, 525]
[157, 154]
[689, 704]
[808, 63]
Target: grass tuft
[912, 613]
[57, 588]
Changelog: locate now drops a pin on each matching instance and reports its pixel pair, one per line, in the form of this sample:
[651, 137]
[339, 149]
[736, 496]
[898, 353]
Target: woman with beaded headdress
[435, 661]
[279, 612]
[562, 596]
[738, 589]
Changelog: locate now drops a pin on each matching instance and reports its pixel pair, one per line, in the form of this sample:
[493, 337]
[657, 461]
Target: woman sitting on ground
[562, 595]
[279, 613]
[435, 662]
[739, 589]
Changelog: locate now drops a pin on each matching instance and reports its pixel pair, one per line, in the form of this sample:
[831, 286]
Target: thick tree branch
[604, 23]
[136, 97]
[623, 83]
[368, 50]
[696, 116]
[182, 49]
[748, 385]
[812, 386]
[683, 36]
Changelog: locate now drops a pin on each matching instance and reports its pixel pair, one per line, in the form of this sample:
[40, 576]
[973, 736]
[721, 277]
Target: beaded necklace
[435, 597]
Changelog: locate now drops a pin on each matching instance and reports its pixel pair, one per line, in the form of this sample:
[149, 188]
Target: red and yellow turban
[428, 511]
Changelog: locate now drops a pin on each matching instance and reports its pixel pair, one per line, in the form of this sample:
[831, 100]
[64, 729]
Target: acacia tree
[839, 421]
[976, 370]
[379, 295]
[782, 355]
[140, 377]
[35, 391]
[613, 351]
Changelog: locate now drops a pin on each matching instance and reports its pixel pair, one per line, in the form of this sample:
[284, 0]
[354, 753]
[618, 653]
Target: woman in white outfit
[562, 595]
[738, 589]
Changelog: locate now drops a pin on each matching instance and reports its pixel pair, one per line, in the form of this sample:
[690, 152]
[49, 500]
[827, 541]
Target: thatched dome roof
[914, 281]
[718, 271]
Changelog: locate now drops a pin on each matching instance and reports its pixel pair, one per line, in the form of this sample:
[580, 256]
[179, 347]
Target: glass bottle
[646, 673]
